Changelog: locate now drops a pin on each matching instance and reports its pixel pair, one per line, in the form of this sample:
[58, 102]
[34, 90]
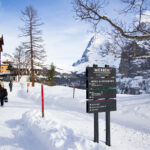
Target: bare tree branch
[91, 11]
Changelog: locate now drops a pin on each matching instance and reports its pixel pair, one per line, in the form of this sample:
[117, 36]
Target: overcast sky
[64, 38]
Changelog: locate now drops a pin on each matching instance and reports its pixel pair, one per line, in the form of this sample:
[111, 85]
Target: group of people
[3, 91]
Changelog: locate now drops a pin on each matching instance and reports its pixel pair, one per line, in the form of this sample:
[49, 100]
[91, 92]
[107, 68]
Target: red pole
[42, 94]
[28, 87]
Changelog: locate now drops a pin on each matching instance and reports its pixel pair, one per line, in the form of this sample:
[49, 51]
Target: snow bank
[56, 97]
[67, 126]
[53, 135]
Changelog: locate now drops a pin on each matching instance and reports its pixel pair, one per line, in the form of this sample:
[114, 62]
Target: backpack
[5, 92]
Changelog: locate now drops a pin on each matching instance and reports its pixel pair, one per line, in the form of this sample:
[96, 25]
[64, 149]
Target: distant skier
[10, 85]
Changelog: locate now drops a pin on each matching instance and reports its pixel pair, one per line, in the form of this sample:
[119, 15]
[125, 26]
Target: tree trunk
[31, 49]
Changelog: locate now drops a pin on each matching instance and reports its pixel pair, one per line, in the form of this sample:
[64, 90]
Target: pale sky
[65, 38]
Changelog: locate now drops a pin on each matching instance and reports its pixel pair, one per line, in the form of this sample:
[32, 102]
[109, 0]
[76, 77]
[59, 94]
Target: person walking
[1, 83]
[10, 85]
[3, 93]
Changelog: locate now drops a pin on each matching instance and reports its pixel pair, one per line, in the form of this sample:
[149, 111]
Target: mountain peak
[91, 49]
[93, 54]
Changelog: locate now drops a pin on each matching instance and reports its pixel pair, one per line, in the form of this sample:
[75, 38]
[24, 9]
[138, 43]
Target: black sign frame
[101, 83]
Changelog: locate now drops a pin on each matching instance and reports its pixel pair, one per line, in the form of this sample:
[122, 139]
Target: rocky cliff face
[133, 66]
[134, 69]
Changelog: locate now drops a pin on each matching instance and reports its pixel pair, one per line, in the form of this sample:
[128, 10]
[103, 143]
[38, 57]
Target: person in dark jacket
[10, 85]
[3, 93]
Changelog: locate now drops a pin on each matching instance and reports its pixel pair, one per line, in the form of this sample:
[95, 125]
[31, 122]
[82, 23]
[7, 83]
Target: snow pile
[56, 97]
[53, 135]
[66, 125]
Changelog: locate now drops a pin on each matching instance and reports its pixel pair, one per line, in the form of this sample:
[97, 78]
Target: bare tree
[19, 60]
[33, 45]
[93, 12]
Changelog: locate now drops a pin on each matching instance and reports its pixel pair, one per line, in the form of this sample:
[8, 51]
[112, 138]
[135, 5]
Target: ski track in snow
[66, 125]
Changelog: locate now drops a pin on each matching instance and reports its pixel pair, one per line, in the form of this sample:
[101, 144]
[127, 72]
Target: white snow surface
[66, 125]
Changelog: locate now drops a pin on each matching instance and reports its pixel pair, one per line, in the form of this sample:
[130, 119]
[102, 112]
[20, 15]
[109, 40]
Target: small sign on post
[100, 105]
[100, 92]
[42, 96]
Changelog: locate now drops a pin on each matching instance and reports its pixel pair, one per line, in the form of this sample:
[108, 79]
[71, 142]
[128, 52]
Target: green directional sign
[102, 89]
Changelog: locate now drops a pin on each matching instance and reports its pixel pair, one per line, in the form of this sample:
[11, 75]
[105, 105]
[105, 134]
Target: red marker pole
[28, 86]
[73, 90]
[42, 95]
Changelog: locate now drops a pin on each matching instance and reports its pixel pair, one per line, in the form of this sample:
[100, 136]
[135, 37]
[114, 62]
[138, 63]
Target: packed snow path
[66, 125]
[13, 134]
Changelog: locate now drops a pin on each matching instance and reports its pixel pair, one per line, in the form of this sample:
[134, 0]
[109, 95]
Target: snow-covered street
[13, 133]
[66, 125]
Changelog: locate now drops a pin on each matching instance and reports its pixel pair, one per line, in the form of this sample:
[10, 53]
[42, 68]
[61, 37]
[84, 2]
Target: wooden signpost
[101, 91]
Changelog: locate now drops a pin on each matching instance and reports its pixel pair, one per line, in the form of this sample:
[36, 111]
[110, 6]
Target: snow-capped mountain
[94, 54]
[134, 68]
[133, 64]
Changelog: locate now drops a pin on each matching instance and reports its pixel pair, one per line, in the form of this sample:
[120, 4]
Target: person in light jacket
[1, 83]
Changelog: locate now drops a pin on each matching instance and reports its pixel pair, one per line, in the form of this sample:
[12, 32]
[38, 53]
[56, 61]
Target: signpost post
[100, 92]
[96, 129]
